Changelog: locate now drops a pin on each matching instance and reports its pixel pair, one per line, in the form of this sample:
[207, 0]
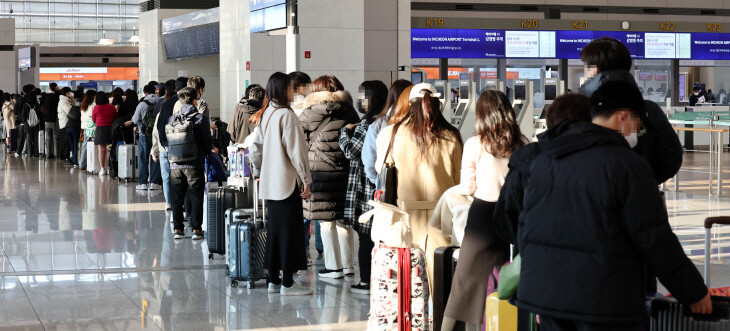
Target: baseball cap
[417, 91]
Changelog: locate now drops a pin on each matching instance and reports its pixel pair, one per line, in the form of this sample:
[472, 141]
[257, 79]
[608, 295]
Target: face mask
[632, 139]
[697, 93]
[362, 106]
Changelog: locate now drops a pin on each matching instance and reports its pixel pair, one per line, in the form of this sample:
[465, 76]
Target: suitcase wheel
[234, 283]
[228, 272]
[251, 285]
[210, 256]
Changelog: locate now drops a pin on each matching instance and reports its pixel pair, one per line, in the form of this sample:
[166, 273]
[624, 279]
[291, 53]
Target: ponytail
[256, 118]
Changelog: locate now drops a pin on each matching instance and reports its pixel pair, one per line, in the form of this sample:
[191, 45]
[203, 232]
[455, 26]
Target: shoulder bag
[388, 176]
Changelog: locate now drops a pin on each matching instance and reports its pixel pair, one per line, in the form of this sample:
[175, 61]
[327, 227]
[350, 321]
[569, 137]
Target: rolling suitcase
[247, 244]
[668, 314]
[399, 291]
[443, 274]
[127, 162]
[92, 159]
[219, 201]
[42, 143]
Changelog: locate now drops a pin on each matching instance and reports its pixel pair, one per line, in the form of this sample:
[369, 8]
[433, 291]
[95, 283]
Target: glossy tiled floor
[85, 253]
[88, 253]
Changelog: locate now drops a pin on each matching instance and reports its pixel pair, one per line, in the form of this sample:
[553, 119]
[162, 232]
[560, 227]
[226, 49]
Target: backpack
[32, 116]
[74, 114]
[148, 121]
[181, 139]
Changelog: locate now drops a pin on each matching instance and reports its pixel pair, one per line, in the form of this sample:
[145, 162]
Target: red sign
[307, 54]
[487, 75]
[248, 65]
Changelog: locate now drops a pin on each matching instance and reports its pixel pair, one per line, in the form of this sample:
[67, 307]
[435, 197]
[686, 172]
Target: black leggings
[364, 255]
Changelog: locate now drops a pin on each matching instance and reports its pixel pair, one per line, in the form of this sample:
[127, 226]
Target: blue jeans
[155, 175]
[318, 237]
[143, 161]
[82, 160]
[165, 170]
[73, 144]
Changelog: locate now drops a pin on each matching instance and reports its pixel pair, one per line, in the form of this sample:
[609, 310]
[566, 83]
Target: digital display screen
[261, 4]
[440, 90]
[464, 92]
[271, 18]
[25, 58]
[551, 92]
[460, 110]
[520, 92]
[192, 42]
[475, 43]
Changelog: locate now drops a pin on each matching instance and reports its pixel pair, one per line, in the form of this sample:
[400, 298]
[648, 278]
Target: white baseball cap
[417, 91]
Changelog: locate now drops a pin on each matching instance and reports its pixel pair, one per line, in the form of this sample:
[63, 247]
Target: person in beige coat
[280, 164]
[426, 151]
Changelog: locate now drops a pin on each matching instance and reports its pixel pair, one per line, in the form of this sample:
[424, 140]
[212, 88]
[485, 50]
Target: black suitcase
[220, 200]
[443, 274]
[669, 315]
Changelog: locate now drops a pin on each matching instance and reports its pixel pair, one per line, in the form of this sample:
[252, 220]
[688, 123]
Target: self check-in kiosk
[553, 88]
[466, 105]
[443, 87]
[523, 106]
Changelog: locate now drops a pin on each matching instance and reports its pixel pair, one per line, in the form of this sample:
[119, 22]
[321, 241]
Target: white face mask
[632, 139]
[697, 93]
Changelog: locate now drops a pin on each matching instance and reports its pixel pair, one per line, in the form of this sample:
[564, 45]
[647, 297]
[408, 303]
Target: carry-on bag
[246, 245]
[127, 162]
[219, 201]
[668, 314]
[399, 291]
[443, 275]
[92, 158]
[42, 148]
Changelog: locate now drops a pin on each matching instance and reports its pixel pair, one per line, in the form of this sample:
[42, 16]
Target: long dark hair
[277, 91]
[6, 97]
[101, 99]
[88, 99]
[393, 94]
[376, 94]
[497, 127]
[428, 125]
[132, 99]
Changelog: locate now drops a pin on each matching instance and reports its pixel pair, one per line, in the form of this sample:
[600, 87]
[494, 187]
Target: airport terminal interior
[93, 247]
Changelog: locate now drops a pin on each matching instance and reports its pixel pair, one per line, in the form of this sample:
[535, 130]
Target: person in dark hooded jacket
[239, 127]
[607, 59]
[593, 219]
[327, 110]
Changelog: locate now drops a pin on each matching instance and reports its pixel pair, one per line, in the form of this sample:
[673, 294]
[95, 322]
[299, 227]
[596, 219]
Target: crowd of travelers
[581, 205]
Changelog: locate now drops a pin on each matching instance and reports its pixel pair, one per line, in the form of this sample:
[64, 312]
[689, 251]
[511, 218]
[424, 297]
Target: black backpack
[148, 121]
[181, 139]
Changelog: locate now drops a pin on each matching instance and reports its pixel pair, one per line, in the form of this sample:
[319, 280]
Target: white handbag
[391, 225]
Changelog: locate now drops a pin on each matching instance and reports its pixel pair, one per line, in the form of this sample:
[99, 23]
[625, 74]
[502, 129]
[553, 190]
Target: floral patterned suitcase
[398, 289]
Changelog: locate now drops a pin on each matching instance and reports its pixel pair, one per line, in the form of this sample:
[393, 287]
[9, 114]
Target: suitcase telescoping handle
[709, 222]
[255, 185]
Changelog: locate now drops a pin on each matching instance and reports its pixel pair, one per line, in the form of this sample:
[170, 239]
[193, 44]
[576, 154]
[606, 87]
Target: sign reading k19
[260, 4]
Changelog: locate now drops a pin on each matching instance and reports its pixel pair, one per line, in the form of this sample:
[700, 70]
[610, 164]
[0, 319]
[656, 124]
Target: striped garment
[359, 188]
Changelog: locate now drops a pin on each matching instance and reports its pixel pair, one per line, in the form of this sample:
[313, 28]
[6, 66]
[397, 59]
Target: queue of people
[580, 206]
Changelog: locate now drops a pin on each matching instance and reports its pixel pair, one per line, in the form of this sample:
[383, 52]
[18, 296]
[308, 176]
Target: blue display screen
[457, 43]
[472, 43]
[270, 18]
[710, 46]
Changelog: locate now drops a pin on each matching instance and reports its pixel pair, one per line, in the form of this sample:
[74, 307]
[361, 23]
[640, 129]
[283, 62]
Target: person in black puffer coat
[328, 109]
[593, 219]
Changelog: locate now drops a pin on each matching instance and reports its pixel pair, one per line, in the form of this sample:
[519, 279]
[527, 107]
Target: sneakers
[360, 288]
[198, 235]
[349, 271]
[68, 163]
[335, 274]
[154, 187]
[273, 288]
[296, 290]
[141, 187]
[17, 155]
[102, 172]
[179, 234]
